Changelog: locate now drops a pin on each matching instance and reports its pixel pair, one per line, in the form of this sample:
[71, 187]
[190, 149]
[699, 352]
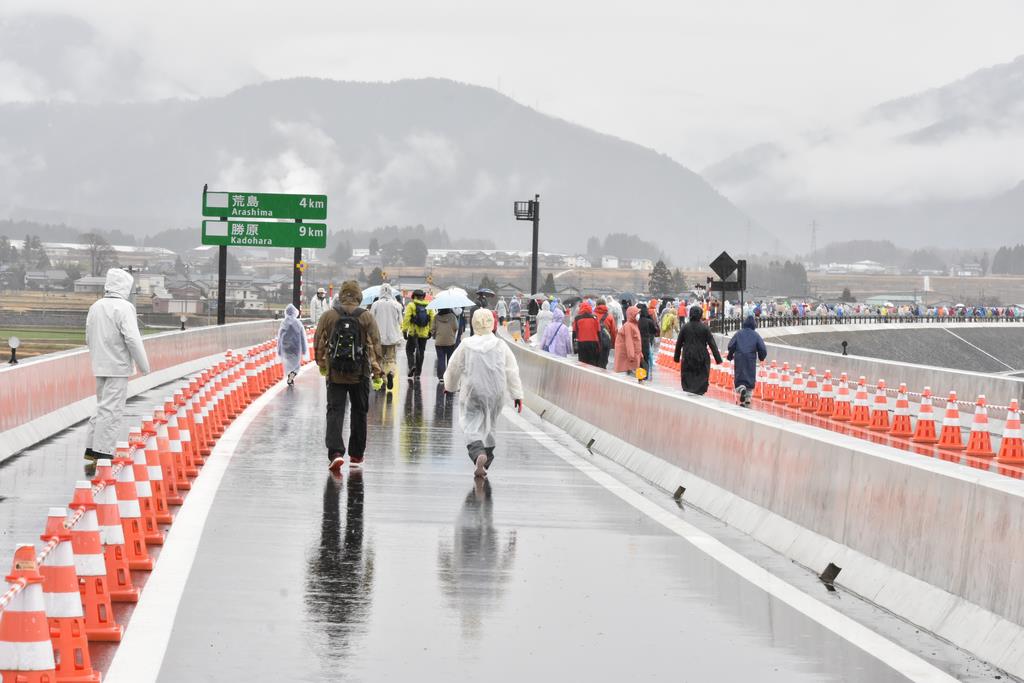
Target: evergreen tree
[678, 282]
[342, 252]
[361, 277]
[660, 283]
[549, 284]
[376, 277]
[414, 252]
[846, 296]
[486, 282]
[374, 246]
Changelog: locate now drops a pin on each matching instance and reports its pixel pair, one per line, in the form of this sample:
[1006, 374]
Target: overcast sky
[694, 79]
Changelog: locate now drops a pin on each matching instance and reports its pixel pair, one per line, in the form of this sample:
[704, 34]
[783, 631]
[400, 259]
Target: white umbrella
[369, 294]
[451, 298]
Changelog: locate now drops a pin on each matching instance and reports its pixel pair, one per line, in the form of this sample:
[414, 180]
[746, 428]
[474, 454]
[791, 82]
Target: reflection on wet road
[411, 570]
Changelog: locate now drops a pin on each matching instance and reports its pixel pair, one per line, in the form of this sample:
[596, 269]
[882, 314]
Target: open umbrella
[539, 296]
[369, 294]
[451, 298]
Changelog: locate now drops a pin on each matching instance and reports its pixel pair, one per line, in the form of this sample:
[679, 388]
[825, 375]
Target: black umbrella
[484, 290]
[571, 301]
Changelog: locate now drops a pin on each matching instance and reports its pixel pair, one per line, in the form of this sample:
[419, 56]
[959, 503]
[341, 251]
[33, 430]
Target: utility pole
[814, 238]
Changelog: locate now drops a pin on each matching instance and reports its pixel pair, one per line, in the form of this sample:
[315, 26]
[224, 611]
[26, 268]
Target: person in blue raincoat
[291, 342]
[746, 348]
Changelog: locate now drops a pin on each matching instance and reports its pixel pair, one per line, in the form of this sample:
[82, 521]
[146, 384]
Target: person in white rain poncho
[484, 372]
[291, 342]
[543, 320]
[116, 350]
[388, 314]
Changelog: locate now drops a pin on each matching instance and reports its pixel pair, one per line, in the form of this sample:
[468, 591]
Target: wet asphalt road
[411, 570]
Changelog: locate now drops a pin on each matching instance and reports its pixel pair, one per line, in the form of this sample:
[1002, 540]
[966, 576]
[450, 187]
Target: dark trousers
[415, 347]
[444, 354]
[337, 396]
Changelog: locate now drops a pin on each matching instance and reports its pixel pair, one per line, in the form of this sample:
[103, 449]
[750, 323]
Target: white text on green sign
[263, 205]
[265, 234]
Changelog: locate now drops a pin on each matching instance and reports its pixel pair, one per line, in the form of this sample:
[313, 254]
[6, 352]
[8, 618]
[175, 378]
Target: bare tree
[101, 254]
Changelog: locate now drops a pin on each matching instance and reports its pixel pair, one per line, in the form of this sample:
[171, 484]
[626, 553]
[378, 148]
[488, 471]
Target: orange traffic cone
[1011, 449]
[177, 452]
[92, 570]
[951, 437]
[167, 461]
[797, 396]
[812, 394]
[785, 388]
[979, 444]
[901, 419]
[108, 515]
[26, 653]
[132, 524]
[144, 490]
[762, 379]
[64, 605]
[189, 440]
[772, 385]
[827, 401]
[843, 407]
[155, 471]
[861, 416]
[880, 409]
[182, 427]
[925, 430]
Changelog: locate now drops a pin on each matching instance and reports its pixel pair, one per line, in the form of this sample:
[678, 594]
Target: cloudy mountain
[422, 151]
[927, 168]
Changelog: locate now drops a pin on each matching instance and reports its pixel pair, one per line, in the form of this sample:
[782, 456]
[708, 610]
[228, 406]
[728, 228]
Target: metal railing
[727, 325]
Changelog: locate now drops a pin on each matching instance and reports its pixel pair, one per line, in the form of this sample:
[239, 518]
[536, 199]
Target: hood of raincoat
[386, 292]
[585, 308]
[600, 310]
[696, 314]
[750, 323]
[557, 315]
[119, 283]
[546, 306]
[291, 311]
[483, 322]
[632, 314]
[350, 294]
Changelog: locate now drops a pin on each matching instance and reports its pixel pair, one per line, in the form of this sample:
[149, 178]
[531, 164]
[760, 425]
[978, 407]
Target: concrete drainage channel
[833, 504]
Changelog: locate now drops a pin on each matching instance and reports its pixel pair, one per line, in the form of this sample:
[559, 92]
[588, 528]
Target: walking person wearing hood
[586, 333]
[416, 329]
[348, 352]
[544, 318]
[692, 346]
[318, 305]
[291, 343]
[607, 331]
[746, 348]
[628, 352]
[388, 314]
[484, 371]
[116, 350]
[649, 334]
[556, 340]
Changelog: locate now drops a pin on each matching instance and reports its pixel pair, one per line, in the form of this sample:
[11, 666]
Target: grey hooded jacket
[112, 331]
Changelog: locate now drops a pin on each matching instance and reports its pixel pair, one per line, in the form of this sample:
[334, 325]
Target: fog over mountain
[424, 151]
[933, 167]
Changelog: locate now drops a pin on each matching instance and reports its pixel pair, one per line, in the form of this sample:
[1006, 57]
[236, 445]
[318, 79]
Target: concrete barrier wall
[45, 394]
[926, 539]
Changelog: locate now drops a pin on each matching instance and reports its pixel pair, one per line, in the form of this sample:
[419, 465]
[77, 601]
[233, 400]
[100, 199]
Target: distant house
[90, 284]
[164, 302]
[47, 279]
[577, 261]
[968, 270]
[147, 283]
[610, 262]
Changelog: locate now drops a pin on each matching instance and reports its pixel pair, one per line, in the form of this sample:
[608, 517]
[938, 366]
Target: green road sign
[311, 207]
[265, 234]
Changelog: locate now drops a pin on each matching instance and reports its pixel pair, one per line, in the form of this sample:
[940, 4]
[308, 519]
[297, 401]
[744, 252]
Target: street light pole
[536, 240]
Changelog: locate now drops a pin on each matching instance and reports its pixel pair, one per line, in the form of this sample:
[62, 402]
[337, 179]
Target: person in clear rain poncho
[291, 342]
[484, 372]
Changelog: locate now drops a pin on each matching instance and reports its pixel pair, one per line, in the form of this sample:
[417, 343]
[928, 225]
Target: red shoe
[355, 461]
[336, 463]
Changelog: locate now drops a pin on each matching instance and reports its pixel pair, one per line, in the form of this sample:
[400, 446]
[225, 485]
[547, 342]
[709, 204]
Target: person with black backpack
[416, 330]
[348, 352]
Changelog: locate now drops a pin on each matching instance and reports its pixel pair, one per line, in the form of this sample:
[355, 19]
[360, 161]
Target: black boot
[90, 455]
[490, 456]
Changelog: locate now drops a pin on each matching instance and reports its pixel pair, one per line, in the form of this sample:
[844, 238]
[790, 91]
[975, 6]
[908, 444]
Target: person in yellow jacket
[416, 330]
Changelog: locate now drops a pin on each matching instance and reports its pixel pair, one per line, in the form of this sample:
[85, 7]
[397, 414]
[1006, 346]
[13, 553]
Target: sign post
[253, 219]
[724, 266]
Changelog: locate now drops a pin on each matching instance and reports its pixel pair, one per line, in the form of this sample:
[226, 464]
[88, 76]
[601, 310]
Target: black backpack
[603, 333]
[346, 349]
[420, 317]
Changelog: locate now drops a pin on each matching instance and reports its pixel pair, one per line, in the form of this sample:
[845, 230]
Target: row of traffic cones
[62, 599]
[802, 390]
